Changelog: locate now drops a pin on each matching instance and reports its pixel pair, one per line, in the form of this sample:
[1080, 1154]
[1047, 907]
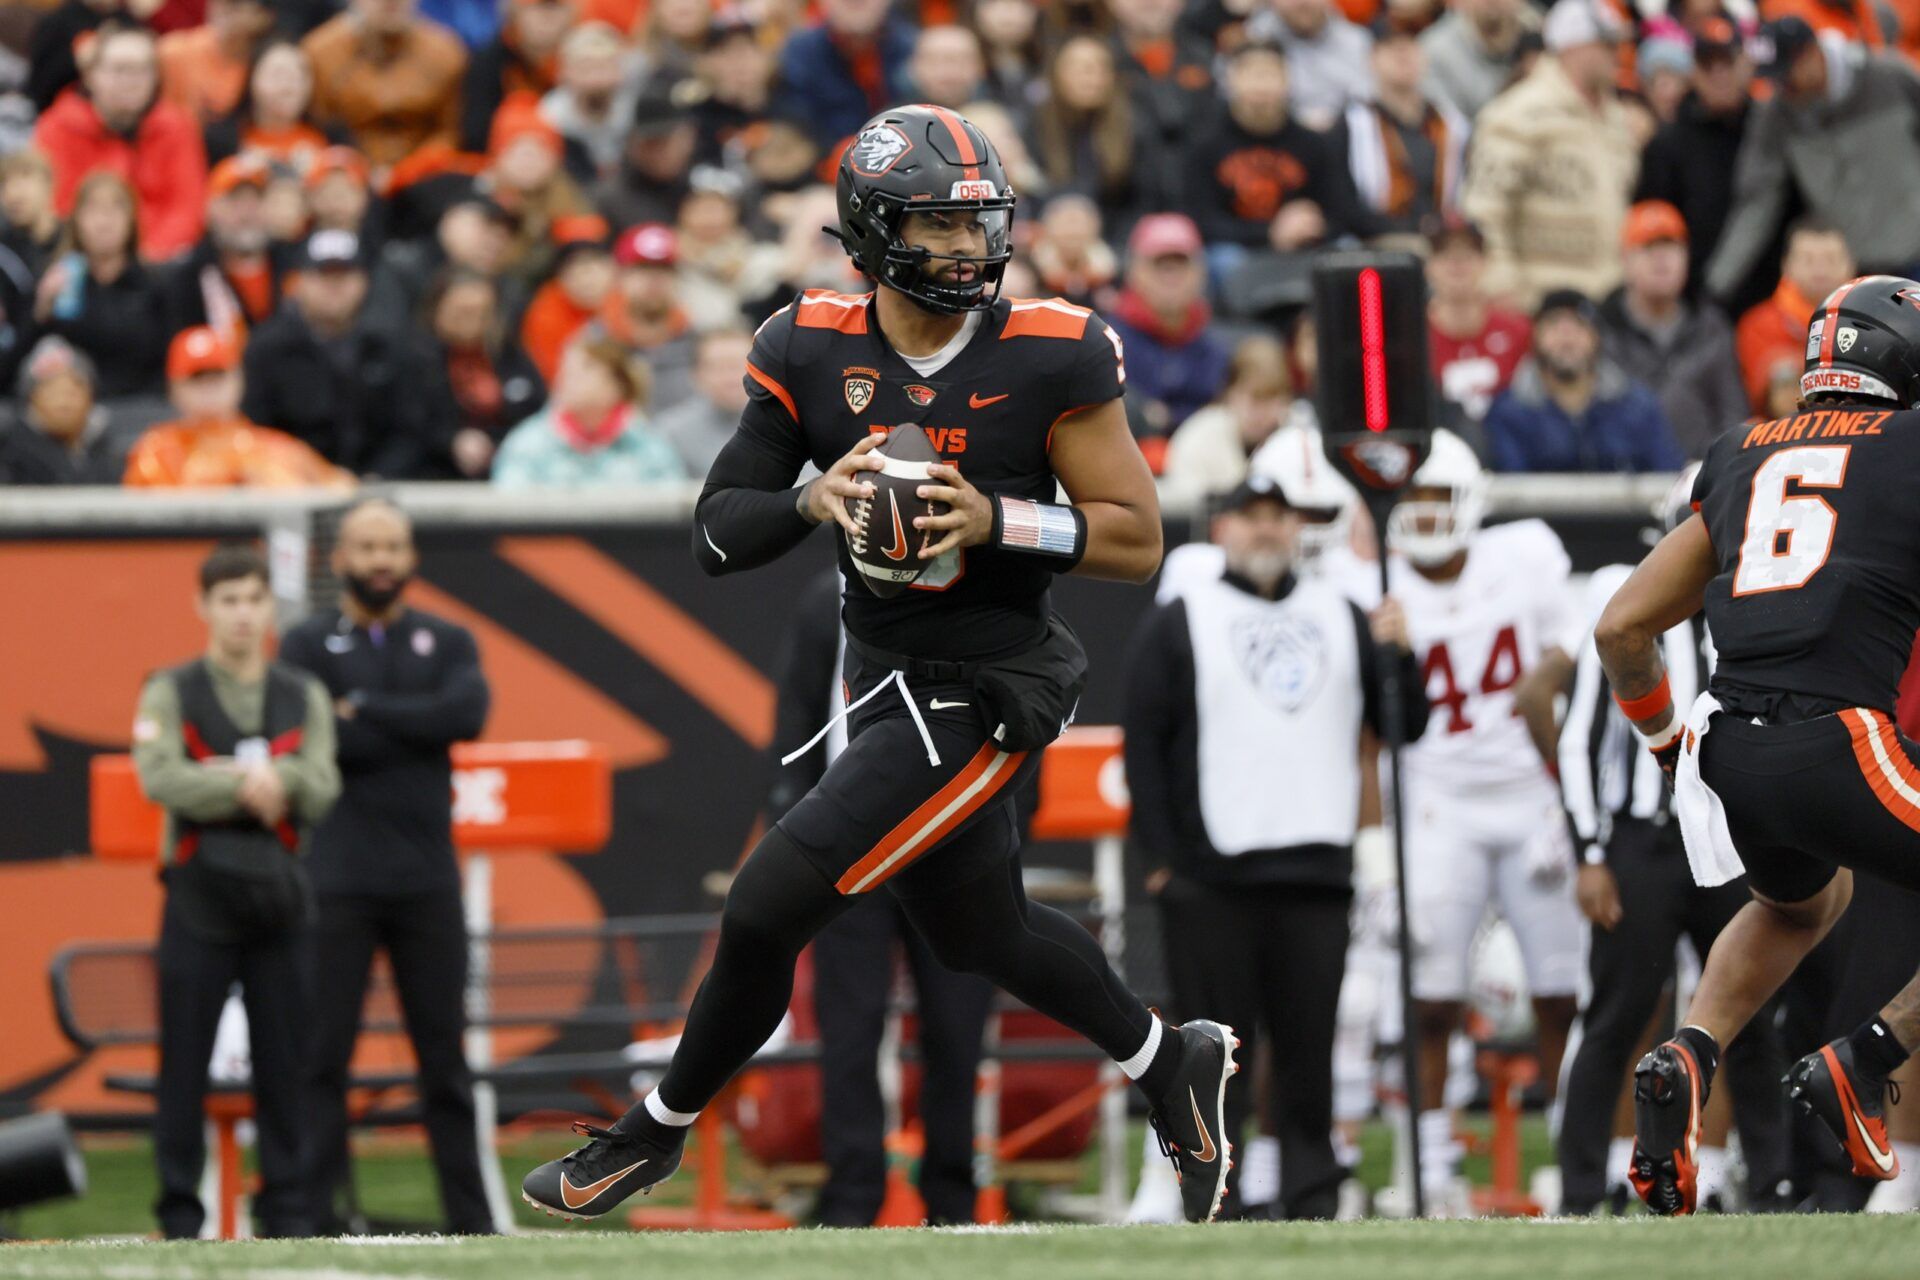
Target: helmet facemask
[1431, 531]
[909, 269]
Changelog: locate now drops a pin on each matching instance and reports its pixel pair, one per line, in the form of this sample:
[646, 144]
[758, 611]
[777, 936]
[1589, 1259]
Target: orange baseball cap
[201, 349]
[519, 117]
[1652, 221]
[237, 171]
[338, 159]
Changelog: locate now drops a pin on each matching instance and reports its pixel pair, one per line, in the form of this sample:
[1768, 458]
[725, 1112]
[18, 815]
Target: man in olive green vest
[238, 750]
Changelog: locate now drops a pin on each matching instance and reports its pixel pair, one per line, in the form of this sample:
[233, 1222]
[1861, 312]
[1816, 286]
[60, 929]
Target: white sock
[1437, 1155]
[1909, 1153]
[1346, 1151]
[1712, 1178]
[1260, 1175]
[1137, 1065]
[666, 1115]
[1619, 1156]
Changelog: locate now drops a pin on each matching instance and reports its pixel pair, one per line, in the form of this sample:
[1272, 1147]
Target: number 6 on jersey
[1788, 537]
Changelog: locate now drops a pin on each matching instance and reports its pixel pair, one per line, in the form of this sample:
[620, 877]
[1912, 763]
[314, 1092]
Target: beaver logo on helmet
[878, 149]
[927, 160]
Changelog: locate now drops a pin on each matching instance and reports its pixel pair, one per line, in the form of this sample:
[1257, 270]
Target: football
[886, 549]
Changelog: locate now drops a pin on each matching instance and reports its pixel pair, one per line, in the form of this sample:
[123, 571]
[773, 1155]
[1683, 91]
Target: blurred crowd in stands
[527, 241]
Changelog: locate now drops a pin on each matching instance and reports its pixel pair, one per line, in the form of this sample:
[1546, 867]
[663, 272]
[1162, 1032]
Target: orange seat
[556, 796]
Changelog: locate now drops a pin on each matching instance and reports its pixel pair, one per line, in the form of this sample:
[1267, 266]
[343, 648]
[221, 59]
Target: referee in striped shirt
[1637, 892]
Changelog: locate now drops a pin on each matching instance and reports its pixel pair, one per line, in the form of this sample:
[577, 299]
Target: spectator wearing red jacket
[117, 122]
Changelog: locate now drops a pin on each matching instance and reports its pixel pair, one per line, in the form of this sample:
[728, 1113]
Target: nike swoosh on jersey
[710, 542]
[898, 551]
[938, 705]
[1207, 1151]
[977, 401]
[568, 1191]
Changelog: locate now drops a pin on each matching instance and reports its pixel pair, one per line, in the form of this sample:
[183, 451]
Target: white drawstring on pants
[898, 678]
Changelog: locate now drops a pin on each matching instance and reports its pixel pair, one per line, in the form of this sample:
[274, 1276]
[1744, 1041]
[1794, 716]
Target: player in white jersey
[1481, 812]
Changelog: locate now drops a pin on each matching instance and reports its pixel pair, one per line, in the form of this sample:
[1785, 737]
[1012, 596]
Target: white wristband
[1665, 738]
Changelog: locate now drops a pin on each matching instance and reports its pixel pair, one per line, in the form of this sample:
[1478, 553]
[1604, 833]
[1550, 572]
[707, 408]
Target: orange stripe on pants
[978, 781]
[1873, 740]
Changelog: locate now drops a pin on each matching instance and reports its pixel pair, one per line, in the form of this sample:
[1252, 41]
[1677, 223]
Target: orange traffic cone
[903, 1206]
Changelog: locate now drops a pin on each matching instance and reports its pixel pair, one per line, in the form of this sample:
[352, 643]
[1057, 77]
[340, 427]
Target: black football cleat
[1668, 1098]
[597, 1177]
[1190, 1119]
[1829, 1085]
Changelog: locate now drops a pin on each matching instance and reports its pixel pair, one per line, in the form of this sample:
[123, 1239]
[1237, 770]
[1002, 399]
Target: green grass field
[1749, 1248]
[396, 1183]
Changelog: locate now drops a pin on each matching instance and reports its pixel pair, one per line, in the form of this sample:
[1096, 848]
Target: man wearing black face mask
[406, 686]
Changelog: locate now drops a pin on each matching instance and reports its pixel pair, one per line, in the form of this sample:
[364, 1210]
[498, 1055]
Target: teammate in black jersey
[1019, 396]
[1806, 552]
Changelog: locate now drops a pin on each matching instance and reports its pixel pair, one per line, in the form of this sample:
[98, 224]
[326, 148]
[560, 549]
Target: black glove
[1668, 758]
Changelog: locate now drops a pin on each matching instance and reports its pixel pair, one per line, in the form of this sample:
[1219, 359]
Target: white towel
[1703, 819]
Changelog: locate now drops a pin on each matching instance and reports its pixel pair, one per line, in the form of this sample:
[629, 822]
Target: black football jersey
[1813, 528]
[822, 363]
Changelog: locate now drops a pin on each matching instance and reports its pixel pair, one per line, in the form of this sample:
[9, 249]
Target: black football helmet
[923, 159]
[1864, 344]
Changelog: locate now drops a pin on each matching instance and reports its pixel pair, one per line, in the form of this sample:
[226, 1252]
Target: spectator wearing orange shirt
[203, 70]
[120, 124]
[273, 117]
[583, 277]
[210, 444]
[1773, 335]
[389, 76]
[229, 281]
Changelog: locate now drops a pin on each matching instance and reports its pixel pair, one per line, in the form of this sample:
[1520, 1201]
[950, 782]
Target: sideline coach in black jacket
[1245, 702]
[406, 686]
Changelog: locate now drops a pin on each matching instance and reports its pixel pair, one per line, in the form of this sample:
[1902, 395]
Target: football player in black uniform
[1806, 552]
[954, 684]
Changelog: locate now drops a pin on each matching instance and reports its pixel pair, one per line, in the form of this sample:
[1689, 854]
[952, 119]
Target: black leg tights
[779, 900]
[1034, 953]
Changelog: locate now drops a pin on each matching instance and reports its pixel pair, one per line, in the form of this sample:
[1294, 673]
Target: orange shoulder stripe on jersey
[1045, 318]
[958, 128]
[1833, 322]
[978, 781]
[1884, 764]
[824, 309]
[772, 384]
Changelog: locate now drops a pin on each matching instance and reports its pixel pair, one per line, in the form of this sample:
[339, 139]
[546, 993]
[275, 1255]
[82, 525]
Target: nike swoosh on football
[977, 401]
[898, 551]
[592, 1189]
[1207, 1150]
[938, 705]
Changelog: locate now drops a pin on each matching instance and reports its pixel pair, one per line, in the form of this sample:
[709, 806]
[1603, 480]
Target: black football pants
[195, 978]
[853, 967]
[1628, 967]
[942, 839]
[425, 938]
[1271, 960]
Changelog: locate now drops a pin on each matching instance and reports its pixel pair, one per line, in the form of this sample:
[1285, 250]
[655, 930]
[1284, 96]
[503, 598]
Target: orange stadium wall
[613, 635]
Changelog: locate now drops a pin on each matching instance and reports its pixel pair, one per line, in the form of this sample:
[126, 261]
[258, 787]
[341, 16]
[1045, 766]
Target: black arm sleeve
[455, 712]
[746, 516]
[805, 696]
[1413, 694]
[1159, 700]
